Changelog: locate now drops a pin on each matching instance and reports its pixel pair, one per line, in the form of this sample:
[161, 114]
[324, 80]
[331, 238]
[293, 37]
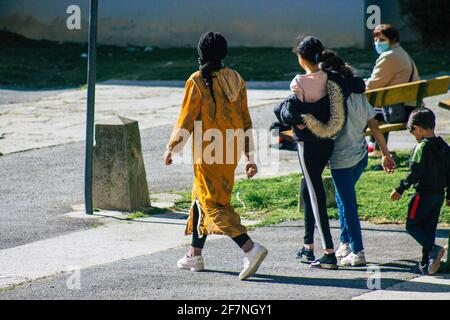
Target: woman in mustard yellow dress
[215, 112]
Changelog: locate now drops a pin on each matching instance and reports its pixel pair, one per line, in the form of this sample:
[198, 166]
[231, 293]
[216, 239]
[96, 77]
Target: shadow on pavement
[401, 266]
[352, 283]
[440, 233]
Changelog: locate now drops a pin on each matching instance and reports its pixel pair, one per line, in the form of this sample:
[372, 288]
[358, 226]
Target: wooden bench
[413, 91]
[445, 104]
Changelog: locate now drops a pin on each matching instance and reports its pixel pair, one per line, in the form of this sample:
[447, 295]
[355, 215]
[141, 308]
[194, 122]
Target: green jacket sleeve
[417, 168]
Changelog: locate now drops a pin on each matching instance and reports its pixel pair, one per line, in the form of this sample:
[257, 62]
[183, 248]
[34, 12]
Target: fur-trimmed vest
[325, 118]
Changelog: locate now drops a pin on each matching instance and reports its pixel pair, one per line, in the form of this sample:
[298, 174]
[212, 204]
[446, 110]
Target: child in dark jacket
[317, 112]
[430, 176]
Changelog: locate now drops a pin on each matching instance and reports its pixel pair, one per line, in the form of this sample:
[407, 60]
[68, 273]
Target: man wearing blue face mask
[394, 66]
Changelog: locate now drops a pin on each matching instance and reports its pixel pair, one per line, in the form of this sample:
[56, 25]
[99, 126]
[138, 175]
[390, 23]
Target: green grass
[147, 212]
[34, 64]
[274, 200]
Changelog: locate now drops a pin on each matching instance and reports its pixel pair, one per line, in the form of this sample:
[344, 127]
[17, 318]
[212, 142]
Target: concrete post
[120, 181]
[329, 192]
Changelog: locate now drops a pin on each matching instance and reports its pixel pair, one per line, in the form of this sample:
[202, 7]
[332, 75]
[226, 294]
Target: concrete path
[8, 96]
[37, 187]
[60, 118]
[391, 254]
[40, 185]
[422, 288]
[117, 239]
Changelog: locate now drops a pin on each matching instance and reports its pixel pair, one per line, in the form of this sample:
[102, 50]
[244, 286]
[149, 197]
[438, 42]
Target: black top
[290, 112]
[430, 168]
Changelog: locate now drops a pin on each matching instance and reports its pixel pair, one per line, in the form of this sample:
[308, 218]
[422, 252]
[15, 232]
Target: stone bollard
[329, 192]
[119, 178]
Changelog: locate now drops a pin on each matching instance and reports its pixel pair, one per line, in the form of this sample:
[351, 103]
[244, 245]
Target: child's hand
[168, 158]
[250, 169]
[395, 196]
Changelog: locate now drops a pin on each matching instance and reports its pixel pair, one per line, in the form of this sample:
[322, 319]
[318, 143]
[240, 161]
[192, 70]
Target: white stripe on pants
[312, 193]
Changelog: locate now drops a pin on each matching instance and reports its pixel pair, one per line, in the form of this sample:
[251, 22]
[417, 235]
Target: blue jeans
[344, 183]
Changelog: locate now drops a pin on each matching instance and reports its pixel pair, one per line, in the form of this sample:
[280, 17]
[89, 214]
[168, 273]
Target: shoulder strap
[412, 71]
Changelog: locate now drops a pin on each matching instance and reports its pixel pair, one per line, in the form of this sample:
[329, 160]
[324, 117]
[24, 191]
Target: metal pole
[93, 9]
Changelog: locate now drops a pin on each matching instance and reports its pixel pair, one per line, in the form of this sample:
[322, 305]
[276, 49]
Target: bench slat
[437, 86]
[388, 128]
[408, 92]
[445, 104]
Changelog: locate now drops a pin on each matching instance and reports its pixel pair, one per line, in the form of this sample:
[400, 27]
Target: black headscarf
[212, 49]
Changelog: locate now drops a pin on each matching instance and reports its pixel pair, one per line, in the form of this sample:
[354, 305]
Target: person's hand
[168, 158]
[250, 169]
[388, 164]
[395, 196]
[300, 126]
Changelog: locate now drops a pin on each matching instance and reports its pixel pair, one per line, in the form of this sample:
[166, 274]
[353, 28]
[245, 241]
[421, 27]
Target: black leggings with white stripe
[314, 156]
[199, 243]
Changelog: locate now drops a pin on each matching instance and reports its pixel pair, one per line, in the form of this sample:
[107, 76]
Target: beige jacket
[392, 67]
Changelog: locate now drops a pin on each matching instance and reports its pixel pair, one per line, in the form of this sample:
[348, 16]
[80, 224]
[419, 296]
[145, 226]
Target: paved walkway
[116, 239]
[139, 267]
[60, 118]
[422, 288]
[40, 185]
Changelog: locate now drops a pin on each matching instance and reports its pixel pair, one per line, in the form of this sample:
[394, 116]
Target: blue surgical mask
[382, 47]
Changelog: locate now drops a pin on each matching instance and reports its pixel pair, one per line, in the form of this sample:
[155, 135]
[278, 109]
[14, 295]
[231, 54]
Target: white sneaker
[353, 259]
[194, 264]
[252, 261]
[343, 251]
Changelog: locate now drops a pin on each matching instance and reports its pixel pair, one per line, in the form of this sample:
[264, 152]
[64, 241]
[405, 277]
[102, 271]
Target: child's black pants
[423, 217]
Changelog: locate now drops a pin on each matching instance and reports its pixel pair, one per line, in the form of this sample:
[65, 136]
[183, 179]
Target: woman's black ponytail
[212, 49]
[331, 62]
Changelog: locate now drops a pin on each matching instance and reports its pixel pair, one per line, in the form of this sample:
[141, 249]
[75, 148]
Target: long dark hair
[330, 61]
[212, 49]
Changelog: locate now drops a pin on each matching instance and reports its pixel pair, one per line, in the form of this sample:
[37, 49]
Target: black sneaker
[423, 268]
[328, 261]
[306, 255]
[434, 263]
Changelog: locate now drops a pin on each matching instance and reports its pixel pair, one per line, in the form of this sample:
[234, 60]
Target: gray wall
[390, 13]
[169, 23]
